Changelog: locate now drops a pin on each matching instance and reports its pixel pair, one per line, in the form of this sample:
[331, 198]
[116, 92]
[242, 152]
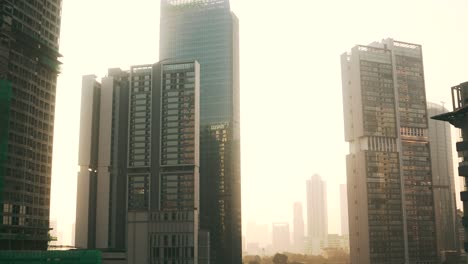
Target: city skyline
[255, 144]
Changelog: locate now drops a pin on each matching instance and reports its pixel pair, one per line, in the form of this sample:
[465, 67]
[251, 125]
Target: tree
[256, 260]
[280, 259]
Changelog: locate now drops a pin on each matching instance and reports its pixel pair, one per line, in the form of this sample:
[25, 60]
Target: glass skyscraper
[207, 31]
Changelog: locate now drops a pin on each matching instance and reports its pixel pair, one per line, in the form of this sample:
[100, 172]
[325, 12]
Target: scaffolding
[5, 98]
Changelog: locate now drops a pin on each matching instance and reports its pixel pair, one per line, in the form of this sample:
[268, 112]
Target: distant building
[298, 234]
[317, 215]
[73, 235]
[138, 184]
[344, 209]
[338, 242]
[281, 237]
[53, 233]
[253, 249]
[459, 118]
[389, 177]
[243, 245]
[443, 181]
[257, 233]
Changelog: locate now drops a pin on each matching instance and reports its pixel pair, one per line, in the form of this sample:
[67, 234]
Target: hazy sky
[291, 105]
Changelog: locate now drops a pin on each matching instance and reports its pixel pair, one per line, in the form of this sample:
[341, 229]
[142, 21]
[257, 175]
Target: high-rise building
[28, 79]
[390, 188]
[257, 233]
[207, 30]
[443, 182]
[298, 234]
[281, 237]
[138, 185]
[459, 118]
[317, 214]
[344, 209]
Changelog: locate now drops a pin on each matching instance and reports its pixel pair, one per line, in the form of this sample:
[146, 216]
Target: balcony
[462, 146]
[464, 197]
[463, 169]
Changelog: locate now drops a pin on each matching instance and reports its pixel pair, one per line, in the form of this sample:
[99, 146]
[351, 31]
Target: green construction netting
[5, 99]
[58, 257]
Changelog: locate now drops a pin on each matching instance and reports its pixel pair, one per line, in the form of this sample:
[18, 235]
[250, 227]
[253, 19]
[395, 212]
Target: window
[138, 190]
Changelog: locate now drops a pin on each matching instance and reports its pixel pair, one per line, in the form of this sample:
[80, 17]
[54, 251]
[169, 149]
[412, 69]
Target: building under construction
[29, 37]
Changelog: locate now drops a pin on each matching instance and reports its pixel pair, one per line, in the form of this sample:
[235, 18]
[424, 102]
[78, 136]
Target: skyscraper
[257, 233]
[443, 180]
[207, 30]
[298, 222]
[28, 79]
[138, 185]
[281, 237]
[317, 214]
[344, 209]
[390, 199]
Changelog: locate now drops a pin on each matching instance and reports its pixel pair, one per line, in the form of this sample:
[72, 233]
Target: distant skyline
[291, 110]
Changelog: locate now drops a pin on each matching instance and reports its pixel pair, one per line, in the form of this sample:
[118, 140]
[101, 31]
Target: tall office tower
[459, 118]
[443, 182]
[28, 78]
[317, 214]
[207, 30]
[390, 196]
[138, 185]
[298, 222]
[280, 235]
[344, 210]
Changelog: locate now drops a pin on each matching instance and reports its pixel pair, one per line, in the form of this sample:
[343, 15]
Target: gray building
[317, 214]
[138, 185]
[443, 180]
[207, 30]
[390, 189]
[28, 80]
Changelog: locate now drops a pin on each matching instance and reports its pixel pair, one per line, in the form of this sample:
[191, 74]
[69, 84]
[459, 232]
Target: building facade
[207, 30]
[138, 184]
[317, 214]
[443, 180]
[28, 79]
[390, 189]
[298, 233]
